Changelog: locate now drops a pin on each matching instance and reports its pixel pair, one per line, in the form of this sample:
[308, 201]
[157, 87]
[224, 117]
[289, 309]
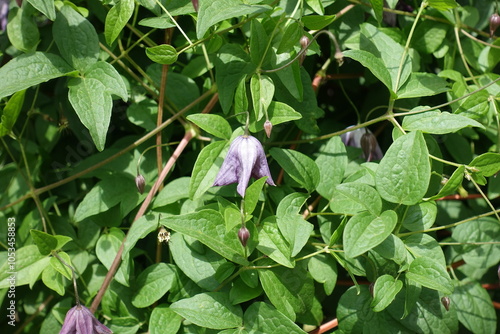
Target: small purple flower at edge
[369, 145]
[245, 159]
[4, 12]
[79, 320]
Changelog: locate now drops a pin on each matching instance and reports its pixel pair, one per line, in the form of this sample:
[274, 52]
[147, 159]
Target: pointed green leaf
[384, 291]
[60, 267]
[278, 113]
[252, 194]
[29, 70]
[332, 161]
[22, 30]
[273, 244]
[262, 90]
[437, 122]
[452, 184]
[317, 22]
[210, 310]
[139, 230]
[474, 307]
[352, 198]
[421, 216]
[161, 315]
[487, 163]
[11, 112]
[422, 84]
[300, 167]
[75, 38]
[53, 280]
[117, 18]
[263, 318]
[443, 4]
[46, 243]
[205, 169]
[46, 7]
[109, 77]
[323, 269]
[152, 283]
[430, 274]
[213, 124]
[404, 172]
[208, 227]
[373, 63]
[162, 54]
[212, 12]
[378, 9]
[106, 249]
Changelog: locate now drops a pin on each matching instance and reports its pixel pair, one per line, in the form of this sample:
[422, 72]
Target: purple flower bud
[195, 4]
[498, 272]
[304, 42]
[245, 159]
[4, 12]
[79, 320]
[446, 302]
[494, 23]
[268, 127]
[243, 235]
[371, 149]
[140, 182]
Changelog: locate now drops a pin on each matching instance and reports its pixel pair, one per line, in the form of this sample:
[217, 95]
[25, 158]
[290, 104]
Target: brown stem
[118, 258]
[326, 327]
[159, 118]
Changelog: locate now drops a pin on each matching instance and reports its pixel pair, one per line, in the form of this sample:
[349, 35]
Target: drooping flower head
[363, 138]
[79, 320]
[245, 159]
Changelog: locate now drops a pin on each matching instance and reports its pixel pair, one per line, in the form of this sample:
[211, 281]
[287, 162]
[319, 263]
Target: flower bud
[304, 42]
[494, 23]
[268, 127]
[163, 235]
[195, 4]
[446, 302]
[498, 271]
[140, 182]
[339, 57]
[243, 235]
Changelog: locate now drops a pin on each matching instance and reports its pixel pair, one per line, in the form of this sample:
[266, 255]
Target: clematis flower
[363, 138]
[4, 12]
[245, 159]
[79, 320]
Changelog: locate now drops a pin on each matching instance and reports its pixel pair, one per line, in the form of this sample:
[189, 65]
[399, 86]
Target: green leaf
[262, 90]
[22, 30]
[475, 106]
[316, 5]
[53, 280]
[412, 294]
[292, 226]
[317, 22]
[423, 245]
[106, 249]
[212, 12]
[208, 227]
[75, 38]
[272, 243]
[422, 84]
[384, 291]
[109, 77]
[480, 230]
[161, 315]
[299, 166]
[323, 268]
[420, 217]
[210, 310]
[93, 106]
[252, 195]
[278, 113]
[117, 18]
[430, 274]
[332, 162]
[392, 248]
[474, 307]
[196, 261]
[378, 9]
[139, 230]
[152, 283]
[174, 191]
[213, 124]
[241, 292]
[452, 183]
[429, 36]
[290, 38]
[11, 112]
[29, 264]
[46, 7]
[373, 63]
[487, 163]
[352, 198]
[162, 54]
[291, 291]
[232, 65]
[437, 122]
[29, 70]
[443, 4]
[106, 194]
[263, 318]
[404, 172]
[60, 267]
[46, 243]
[365, 231]
[205, 169]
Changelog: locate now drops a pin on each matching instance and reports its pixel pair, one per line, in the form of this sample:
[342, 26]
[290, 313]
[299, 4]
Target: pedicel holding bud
[245, 159]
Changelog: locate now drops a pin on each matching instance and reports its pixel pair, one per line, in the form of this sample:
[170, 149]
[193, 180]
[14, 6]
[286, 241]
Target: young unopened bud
[243, 235]
[368, 145]
[195, 4]
[446, 302]
[140, 182]
[339, 57]
[268, 127]
[494, 23]
[304, 42]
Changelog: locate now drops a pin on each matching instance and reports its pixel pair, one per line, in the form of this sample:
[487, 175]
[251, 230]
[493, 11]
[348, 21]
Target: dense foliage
[258, 166]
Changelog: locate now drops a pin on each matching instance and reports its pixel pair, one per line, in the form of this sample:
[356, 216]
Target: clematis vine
[363, 138]
[79, 320]
[245, 159]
